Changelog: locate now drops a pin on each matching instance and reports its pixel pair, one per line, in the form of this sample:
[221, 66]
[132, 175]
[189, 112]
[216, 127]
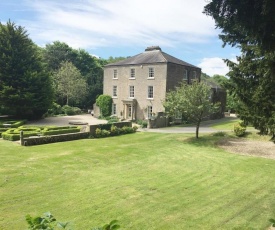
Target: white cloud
[214, 65]
[90, 23]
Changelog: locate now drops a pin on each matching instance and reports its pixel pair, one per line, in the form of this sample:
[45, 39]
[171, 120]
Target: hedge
[54, 138]
[12, 124]
[13, 134]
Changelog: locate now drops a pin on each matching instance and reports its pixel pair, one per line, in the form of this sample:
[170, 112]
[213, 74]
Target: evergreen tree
[250, 25]
[25, 86]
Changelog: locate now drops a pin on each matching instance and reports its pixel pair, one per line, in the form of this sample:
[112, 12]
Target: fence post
[21, 138]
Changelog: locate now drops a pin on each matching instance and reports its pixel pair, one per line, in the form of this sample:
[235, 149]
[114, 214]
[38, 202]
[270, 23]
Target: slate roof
[151, 55]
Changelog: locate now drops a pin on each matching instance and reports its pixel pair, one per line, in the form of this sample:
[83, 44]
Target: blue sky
[124, 28]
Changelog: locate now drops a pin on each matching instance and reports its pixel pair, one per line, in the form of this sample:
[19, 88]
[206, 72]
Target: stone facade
[138, 85]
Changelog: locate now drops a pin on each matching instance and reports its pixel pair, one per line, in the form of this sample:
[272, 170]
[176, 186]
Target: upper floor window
[132, 91]
[150, 92]
[114, 91]
[151, 72]
[115, 75]
[185, 74]
[133, 73]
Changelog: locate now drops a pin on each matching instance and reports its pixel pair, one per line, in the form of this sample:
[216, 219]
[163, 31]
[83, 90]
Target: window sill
[151, 99]
[132, 78]
[150, 78]
[114, 96]
[115, 78]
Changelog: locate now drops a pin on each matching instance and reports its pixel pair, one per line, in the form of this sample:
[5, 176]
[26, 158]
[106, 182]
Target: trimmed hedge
[12, 124]
[62, 130]
[54, 138]
[13, 134]
[114, 131]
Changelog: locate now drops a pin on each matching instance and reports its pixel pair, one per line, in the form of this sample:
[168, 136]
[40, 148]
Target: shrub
[142, 123]
[55, 109]
[68, 110]
[112, 119]
[48, 221]
[239, 129]
[104, 102]
[102, 133]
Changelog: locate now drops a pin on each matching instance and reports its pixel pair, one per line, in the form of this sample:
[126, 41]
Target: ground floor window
[149, 112]
[114, 109]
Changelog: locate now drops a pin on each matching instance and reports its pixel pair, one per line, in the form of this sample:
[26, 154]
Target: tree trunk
[197, 129]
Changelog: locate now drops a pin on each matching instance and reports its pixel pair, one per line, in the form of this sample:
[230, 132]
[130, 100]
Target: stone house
[138, 84]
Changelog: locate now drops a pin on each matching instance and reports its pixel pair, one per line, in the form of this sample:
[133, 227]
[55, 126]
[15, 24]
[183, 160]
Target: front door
[130, 111]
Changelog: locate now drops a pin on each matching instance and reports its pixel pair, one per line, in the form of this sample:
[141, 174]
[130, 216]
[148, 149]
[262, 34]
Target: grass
[144, 180]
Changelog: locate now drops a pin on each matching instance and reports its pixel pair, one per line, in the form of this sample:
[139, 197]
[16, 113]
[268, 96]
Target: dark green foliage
[245, 22]
[250, 25]
[90, 68]
[25, 86]
[104, 102]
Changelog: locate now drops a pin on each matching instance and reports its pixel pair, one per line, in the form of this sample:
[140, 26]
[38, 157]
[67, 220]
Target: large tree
[89, 66]
[70, 84]
[25, 85]
[193, 101]
[250, 25]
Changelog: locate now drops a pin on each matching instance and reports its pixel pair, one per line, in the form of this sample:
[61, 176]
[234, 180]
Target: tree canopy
[89, 66]
[250, 25]
[70, 84]
[193, 101]
[25, 85]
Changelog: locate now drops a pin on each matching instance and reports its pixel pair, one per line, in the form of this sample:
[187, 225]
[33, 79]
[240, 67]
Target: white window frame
[114, 90]
[131, 91]
[150, 92]
[149, 111]
[151, 72]
[132, 73]
[115, 74]
[114, 109]
[185, 75]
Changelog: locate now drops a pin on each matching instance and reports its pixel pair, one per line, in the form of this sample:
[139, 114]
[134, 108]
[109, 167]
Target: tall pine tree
[25, 85]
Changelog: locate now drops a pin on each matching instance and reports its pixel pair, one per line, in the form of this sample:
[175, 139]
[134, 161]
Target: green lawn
[144, 180]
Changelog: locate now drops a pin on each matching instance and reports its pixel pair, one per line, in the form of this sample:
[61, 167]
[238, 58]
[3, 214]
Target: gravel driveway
[65, 120]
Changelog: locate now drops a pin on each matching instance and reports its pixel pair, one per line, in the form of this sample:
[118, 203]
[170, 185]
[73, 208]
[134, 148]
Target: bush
[55, 109]
[68, 110]
[48, 221]
[142, 123]
[239, 129]
[102, 133]
[112, 119]
[104, 102]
